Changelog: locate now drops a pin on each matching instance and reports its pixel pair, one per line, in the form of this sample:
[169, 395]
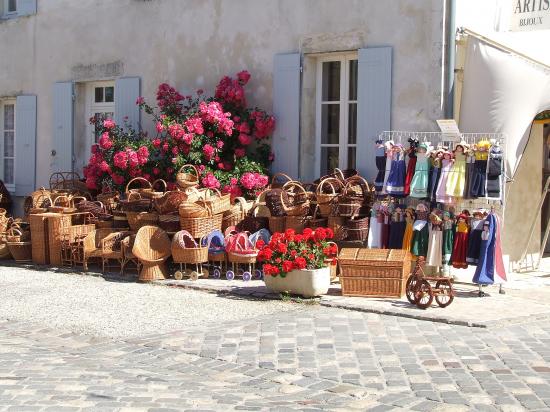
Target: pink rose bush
[226, 140]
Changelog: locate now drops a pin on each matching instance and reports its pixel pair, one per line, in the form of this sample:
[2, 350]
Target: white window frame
[343, 145]
[9, 13]
[92, 107]
[3, 103]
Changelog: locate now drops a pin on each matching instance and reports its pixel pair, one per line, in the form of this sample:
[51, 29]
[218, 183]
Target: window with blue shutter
[25, 145]
[63, 125]
[127, 91]
[286, 109]
[373, 104]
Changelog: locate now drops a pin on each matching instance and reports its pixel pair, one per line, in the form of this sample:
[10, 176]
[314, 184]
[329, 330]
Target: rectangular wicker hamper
[374, 272]
[39, 239]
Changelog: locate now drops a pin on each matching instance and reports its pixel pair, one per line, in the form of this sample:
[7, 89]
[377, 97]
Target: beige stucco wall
[191, 44]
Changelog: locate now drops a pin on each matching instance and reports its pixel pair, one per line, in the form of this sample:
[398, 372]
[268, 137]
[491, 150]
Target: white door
[100, 105]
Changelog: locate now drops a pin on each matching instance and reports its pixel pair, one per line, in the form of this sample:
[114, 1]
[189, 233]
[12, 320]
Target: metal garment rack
[443, 140]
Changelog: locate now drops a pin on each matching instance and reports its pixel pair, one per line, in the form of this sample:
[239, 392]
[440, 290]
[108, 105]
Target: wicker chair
[91, 247]
[152, 248]
[128, 256]
[111, 249]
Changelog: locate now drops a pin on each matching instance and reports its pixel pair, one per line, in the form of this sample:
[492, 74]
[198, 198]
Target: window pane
[330, 123]
[331, 81]
[8, 144]
[351, 158]
[12, 5]
[352, 123]
[99, 94]
[109, 94]
[8, 171]
[353, 80]
[329, 159]
[9, 117]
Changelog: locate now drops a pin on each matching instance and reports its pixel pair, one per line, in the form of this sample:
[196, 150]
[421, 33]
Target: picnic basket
[201, 226]
[298, 202]
[215, 201]
[187, 176]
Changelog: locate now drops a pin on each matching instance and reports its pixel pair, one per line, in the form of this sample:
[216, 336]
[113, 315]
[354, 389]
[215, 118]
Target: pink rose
[244, 139]
[120, 160]
[156, 143]
[140, 100]
[117, 179]
[208, 151]
[104, 167]
[210, 181]
[219, 144]
[156, 171]
[105, 142]
[108, 124]
[160, 127]
[175, 150]
[243, 76]
[240, 152]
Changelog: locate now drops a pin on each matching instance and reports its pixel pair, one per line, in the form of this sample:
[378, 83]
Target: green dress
[448, 241]
[421, 235]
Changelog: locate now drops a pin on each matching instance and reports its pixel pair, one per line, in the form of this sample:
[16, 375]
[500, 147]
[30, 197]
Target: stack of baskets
[18, 240]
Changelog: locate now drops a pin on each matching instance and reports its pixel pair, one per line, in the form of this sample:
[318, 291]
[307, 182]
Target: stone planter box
[307, 283]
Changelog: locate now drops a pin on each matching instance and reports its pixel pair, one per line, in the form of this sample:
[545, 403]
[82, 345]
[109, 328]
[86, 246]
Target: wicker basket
[215, 201]
[185, 179]
[328, 201]
[152, 248]
[185, 252]
[236, 213]
[274, 199]
[317, 220]
[277, 224]
[374, 272]
[4, 250]
[138, 219]
[20, 251]
[201, 226]
[253, 222]
[298, 201]
[279, 180]
[16, 234]
[170, 223]
[39, 239]
[336, 223]
[58, 226]
[297, 223]
[190, 209]
[63, 204]
[145, 192]
[109, 200]
[120, 221]
[357, 228]
[171, 201]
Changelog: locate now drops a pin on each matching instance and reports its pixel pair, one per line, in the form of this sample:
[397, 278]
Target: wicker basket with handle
[186, 250]
[187, 176]
[354, 198]
[171, 201]
[236, 213]
[16, 234]
[109, 200]
[138, 219]
[336, 223]
[253, 222]
[20, 251]
[191, 209]
[201, 226]
[298, 203]
[279, 179]
[327, 201]
[357, 228]
[215, 201]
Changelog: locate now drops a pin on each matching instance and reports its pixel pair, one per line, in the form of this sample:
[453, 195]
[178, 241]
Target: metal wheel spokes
[216, 273]
[178, 275]
[247, 276]
[424, 295]
[410, 292]
[445, 294]
[230, 275]
[258, 274]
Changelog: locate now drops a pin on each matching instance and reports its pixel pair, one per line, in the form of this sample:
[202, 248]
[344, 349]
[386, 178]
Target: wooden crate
[374, 272]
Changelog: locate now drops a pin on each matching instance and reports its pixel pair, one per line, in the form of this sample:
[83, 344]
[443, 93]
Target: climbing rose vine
[225, 139]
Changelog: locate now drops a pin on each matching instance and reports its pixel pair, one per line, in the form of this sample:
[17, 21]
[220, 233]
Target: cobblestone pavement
[312, 358]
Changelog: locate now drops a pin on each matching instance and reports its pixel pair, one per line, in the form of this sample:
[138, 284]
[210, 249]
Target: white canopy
[502, 92]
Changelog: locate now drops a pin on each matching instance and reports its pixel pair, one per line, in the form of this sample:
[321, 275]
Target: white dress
[435, 246]
[374, 241]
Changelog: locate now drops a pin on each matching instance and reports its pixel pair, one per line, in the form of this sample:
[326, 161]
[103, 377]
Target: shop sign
[530, 15]
[449, 128]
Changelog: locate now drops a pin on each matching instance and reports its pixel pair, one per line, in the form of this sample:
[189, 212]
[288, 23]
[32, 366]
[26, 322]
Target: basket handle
[339, 174]
[131, 195]
[329, 181]
[357, 181]
[191, 166]
[164, 184]
[65, 198]
[211, 189]
[283, 175]
[15, 230]
[138, 179]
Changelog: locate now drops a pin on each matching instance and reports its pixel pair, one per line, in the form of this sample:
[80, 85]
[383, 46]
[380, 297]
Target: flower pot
[307, 283]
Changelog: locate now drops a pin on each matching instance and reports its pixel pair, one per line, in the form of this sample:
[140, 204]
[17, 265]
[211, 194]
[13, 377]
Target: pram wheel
[205, 273]
[216, 274]
[258, 274]
[230, 275]
[247, 276]
[178, 275]
[193, 275]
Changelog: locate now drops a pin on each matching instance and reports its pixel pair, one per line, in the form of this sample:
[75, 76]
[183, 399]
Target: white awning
[502, 92]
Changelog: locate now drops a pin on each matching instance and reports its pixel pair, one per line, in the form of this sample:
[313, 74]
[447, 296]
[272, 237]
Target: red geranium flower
[287, 266]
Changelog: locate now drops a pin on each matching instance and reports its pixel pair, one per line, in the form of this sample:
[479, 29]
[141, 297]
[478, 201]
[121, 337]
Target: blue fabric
[261, 234]
[485, 271]
[215, 241]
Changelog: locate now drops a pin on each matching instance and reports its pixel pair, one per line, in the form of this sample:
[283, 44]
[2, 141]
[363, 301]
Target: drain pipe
[450, 54]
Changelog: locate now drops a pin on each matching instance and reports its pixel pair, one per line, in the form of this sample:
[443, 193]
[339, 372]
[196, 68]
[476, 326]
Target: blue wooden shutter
[286, 109]
[127, 90]
[25, 145]
[26, 7]
[63, 121]
[373, 104]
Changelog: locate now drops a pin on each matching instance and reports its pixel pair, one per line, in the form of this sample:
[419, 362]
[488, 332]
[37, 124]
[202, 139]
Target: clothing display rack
[440, 140]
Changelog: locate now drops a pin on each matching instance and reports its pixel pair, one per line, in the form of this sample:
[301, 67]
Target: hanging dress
[410, 167]
[494, 172]
[420, 234]
[387, 169]
[474, 240]
[375, 229]
[457, 176]
[485, 271]
[419, 183]
[380, 153]
[397, 230]
[500, 270]
[460, 247]
[448, 239]
[441, 191]
[395, 186]
[470, 173]
[385, 229]
[407, 237]
[435, 243]
[436, 172]
[477, 189]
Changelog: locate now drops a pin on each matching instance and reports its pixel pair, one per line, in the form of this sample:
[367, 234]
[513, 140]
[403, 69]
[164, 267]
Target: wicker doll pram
[186, 251]
[217, 258]
[242, 255]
